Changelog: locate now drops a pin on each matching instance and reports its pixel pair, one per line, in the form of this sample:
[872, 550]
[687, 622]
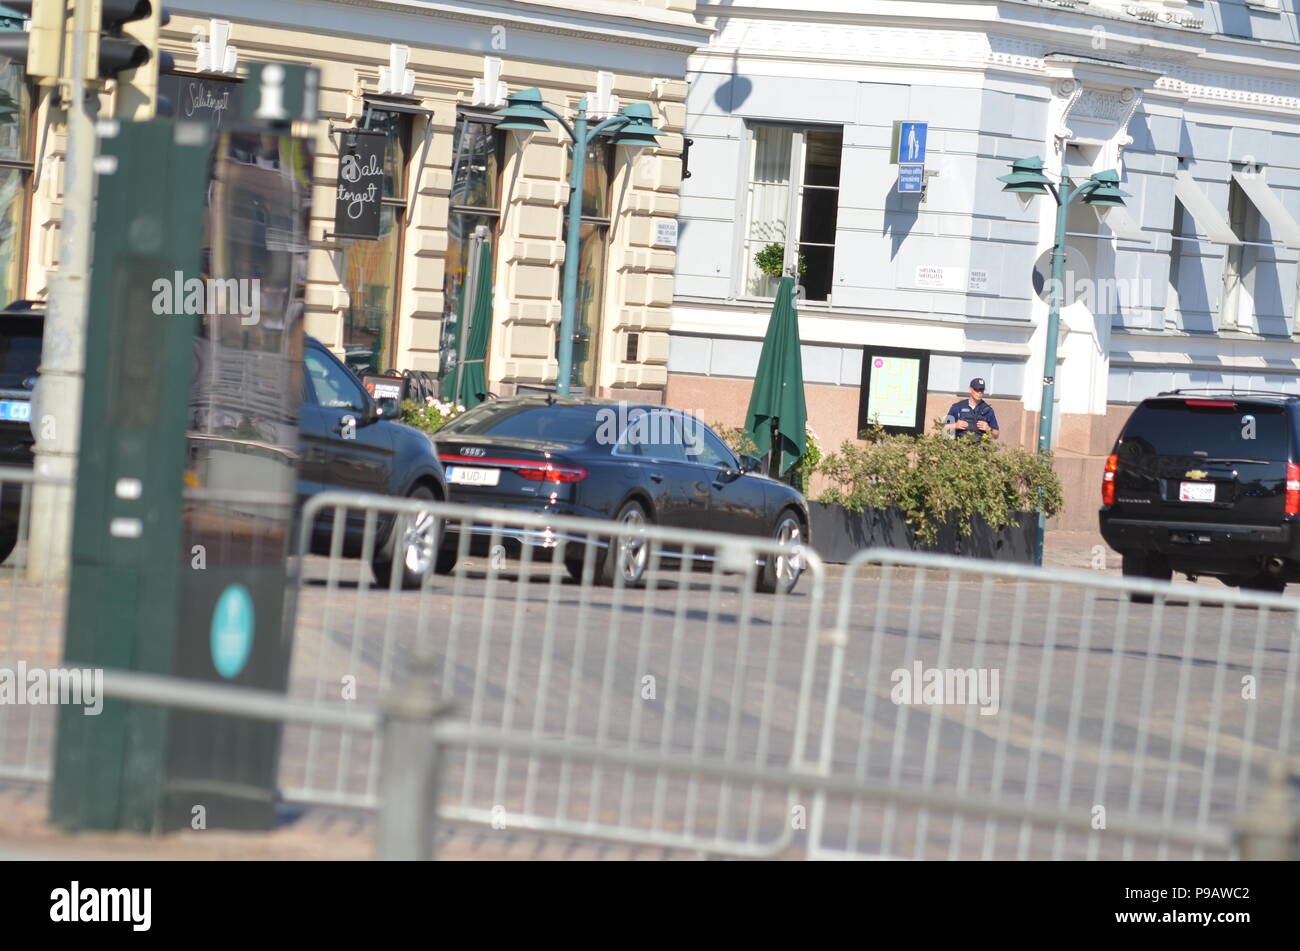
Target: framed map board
[894, 386]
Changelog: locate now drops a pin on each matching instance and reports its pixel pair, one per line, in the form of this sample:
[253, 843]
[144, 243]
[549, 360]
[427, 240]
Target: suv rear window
[1239, 431]
[20, 350]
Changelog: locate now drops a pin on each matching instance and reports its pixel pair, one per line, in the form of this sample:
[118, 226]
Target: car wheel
[8, 541]
[626, 557]
[1263, 583]
[780, 573]
[415, 549]
[1145, 565]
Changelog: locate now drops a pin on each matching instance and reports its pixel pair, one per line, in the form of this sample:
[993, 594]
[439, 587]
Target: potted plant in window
[771, 260]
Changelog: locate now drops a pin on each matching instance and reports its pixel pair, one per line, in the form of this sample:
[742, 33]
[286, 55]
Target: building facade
[425, 78]
[1193, 283]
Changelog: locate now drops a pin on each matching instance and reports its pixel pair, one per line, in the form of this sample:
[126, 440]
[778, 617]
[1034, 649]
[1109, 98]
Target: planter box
[838, 535]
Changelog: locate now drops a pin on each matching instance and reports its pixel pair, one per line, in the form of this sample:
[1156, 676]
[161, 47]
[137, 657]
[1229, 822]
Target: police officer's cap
[977, 384]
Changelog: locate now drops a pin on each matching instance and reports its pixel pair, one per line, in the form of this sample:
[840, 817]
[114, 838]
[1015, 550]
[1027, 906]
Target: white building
[790, 117]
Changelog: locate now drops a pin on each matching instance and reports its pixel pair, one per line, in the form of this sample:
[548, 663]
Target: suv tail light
[1108, 481]
[554, 474]
[1292, 489]
[1220, 403]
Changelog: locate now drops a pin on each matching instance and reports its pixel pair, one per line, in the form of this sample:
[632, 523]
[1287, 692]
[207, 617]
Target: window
[793, 188]
[713, 451]
[371, 269]
[1239, 264]
[15, 179]
[477, 151]
[334, 388]
[593, 243]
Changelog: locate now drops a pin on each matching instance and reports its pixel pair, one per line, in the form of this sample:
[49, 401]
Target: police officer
[973, 417]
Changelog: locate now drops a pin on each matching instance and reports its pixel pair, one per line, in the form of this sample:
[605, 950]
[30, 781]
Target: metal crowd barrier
[695, 667]
[33, 595]
[1106, 714]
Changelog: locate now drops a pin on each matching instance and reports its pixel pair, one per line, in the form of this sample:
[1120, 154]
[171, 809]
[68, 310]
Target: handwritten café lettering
[352, 170]
[201, 100]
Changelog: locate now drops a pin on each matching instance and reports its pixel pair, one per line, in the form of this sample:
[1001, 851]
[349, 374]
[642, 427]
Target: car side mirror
[389, 408]
[750, 464]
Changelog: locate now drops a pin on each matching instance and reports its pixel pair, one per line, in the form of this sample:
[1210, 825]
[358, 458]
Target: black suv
[1207, 482]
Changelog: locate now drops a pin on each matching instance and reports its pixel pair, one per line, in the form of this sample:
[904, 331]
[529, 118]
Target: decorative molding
[215, 55]
[490, 91]
[395, 79]
[603, 103]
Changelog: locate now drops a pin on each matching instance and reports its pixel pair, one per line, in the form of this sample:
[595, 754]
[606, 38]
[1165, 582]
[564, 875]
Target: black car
[345, 443]
[1207, 482]
[613, 460]
[21, 329]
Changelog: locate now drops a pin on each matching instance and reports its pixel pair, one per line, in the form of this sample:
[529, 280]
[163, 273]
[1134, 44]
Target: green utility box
[188, 469]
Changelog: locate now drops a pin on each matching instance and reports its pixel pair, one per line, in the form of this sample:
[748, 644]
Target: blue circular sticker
[232, 630]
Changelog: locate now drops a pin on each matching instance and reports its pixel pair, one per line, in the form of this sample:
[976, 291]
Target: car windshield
[1240, 431]
[20, 351]
[571, 425]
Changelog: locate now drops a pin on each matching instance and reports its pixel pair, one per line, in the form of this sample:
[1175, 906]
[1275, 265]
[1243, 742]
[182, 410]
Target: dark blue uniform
[973, 414]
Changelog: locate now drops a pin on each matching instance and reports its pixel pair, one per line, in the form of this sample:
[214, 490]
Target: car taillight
[1108, 480]
[1292, 488]
[553, 474]
[1219, 403]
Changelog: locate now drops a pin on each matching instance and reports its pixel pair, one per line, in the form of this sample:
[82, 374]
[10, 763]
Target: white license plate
[468, 475]
[15, 410]
[1196, 491]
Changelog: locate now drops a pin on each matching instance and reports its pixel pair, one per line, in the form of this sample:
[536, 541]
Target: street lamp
[1101, 190]
[526, 112]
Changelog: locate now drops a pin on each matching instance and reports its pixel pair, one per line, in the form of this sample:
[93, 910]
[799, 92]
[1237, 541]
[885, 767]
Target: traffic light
[128, 51]
[41, 47]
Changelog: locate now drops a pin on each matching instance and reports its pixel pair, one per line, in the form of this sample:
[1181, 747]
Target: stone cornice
[945, 45]
[605, 20]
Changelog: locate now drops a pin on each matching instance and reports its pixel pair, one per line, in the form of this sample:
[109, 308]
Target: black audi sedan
[606, 459]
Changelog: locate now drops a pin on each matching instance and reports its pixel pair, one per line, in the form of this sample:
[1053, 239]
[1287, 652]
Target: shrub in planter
[939, 481]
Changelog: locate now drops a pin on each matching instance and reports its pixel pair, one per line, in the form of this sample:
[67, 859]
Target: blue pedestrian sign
[232, 631]
[911, 142]
[911, 179]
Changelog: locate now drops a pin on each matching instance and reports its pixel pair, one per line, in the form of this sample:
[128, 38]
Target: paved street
[565, 662]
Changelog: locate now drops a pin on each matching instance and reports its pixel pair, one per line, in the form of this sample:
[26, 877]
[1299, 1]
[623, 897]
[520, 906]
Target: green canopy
[473, 377]
[778, 399]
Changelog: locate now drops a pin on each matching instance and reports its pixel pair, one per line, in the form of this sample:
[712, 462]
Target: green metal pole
[1053, 332]
[573, 234]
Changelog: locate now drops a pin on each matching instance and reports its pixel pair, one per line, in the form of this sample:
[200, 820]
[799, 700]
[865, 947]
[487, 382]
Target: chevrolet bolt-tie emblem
[1196, 474]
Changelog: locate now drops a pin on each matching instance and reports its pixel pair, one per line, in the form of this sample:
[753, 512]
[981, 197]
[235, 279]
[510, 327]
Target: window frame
[605, 224]
[400, 205]
[28, 110]
[1240, 262]
[495, 214]
[794, 202]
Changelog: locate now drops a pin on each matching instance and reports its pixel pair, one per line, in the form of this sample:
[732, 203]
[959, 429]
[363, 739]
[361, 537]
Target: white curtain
[769, 201]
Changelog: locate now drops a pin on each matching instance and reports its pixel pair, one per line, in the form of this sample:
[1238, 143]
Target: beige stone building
[429, 76]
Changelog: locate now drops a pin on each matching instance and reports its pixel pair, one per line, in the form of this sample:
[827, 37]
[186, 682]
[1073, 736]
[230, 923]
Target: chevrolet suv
[1207, 482]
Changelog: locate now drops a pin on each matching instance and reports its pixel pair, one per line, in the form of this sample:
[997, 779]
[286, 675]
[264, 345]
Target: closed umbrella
[472, 374]
[778, 414]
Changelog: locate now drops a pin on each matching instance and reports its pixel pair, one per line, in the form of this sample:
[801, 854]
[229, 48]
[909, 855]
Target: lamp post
[1100, 190]
[633, 124]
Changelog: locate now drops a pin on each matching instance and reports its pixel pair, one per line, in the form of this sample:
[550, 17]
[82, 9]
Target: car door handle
[656, 477]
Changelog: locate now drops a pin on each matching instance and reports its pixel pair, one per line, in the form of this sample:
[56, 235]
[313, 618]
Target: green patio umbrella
[473, 375]
[777, 402]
